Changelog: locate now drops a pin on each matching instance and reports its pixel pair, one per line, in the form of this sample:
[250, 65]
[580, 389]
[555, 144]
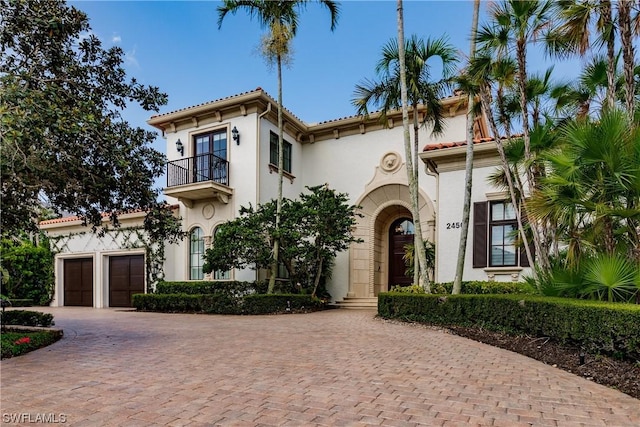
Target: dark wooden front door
[78, 282]
[126, 277]
[400, 235]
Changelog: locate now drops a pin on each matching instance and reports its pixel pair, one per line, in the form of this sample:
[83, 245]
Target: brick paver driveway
[336, 368]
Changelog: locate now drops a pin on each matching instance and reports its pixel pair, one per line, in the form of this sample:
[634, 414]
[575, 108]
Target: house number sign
[453, 225]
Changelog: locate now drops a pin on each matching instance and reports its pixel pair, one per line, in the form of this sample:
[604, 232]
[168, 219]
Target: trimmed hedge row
[15, 343]
[608, 328]
[210, 287]
[220, 303]
[26, 318]
[485, 287]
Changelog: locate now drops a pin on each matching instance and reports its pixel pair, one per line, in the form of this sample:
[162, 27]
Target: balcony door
[210, 156]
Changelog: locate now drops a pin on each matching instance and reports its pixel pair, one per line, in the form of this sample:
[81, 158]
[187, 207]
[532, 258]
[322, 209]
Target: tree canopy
[313, 230]
[65, 144]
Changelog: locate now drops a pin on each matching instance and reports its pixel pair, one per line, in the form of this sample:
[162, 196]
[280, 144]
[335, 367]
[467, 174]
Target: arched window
[196, 254]
[220, 274]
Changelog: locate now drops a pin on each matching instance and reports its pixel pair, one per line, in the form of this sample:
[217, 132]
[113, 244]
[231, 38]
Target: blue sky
[178, 47]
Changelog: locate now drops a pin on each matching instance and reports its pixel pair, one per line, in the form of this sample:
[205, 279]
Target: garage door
[126, 277]
[78, 282]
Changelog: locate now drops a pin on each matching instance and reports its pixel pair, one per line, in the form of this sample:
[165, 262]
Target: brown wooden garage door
[78, 282]
[126, 277]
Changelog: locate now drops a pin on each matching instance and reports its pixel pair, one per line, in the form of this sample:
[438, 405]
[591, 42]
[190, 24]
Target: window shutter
[480, 216]
[524, 261]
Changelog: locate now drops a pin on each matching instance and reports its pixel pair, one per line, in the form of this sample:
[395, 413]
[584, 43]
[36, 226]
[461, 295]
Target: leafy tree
[421, 90]
[65, 144]
[29, 270]
[313, 230]
[281, 18]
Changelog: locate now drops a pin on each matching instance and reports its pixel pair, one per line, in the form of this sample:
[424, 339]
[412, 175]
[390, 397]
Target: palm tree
[573, 35]
[468, 181]
[281, 19]
[515, 24]
[594, 188]
[421, 90]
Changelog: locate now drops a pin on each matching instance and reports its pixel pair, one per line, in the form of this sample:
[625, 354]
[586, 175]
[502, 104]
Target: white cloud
[116, 39]
[130, 58]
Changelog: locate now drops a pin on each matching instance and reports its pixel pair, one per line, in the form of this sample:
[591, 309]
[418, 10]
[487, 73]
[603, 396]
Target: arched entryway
[369, 260]
[401, 234]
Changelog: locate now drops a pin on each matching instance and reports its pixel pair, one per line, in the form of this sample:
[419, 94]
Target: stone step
[354, 303]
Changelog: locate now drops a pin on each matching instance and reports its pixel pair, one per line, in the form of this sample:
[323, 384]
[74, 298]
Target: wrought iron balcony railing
[205, 167]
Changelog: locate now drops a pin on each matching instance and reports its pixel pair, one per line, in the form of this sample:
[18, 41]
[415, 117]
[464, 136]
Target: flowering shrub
[23, 340]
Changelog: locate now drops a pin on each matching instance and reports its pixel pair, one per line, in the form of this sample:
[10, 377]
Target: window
[273, 153]
[196, 254]
[494, 236]
[211, 156]
[220, 274]
[503, 226]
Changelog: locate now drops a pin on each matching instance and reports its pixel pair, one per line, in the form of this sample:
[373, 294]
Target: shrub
[26, 318]
[15, 343]
[234, 288]
[28, 269]
[478, 287]
[224, 304]
[280, 303]
[608, 328]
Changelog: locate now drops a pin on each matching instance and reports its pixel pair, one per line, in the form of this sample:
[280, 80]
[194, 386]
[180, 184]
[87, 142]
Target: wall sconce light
[235, 135]
[180, 147]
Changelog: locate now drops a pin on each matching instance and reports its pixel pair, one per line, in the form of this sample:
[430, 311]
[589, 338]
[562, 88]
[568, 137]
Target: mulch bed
[622, 375]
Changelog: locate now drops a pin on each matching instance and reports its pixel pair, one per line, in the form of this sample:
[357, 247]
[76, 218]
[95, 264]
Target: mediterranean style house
[223, 155]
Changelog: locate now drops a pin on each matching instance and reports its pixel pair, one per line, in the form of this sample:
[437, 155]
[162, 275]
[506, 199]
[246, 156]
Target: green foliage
[26, 318]
[479, 287]
[63, 136]
[607, 328]
[603, 277]
[15, 343]
[233, 288]
[29, 270]
[409, 258]
[222, 303]
[312, 231]
[411, 289]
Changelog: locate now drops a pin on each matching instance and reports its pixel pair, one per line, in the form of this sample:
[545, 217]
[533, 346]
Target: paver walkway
[335, 368]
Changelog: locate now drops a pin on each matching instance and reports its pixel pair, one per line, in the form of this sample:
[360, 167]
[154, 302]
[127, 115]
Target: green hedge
[608, 328]
[225, 304]
[280, 303]
[26, 318]
[210, 287]
[485, 287]
[21, 302]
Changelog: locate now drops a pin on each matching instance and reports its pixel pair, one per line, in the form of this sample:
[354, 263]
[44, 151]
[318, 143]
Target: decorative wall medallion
[208, 211]
[390, 162]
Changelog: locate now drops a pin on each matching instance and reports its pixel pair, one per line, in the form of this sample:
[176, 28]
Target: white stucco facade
[354, 155]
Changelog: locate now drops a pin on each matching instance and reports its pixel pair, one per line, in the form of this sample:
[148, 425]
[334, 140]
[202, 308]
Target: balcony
[198, 178]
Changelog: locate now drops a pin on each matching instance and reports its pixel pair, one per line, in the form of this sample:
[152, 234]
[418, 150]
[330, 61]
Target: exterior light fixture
[235, 135]
[180, 147]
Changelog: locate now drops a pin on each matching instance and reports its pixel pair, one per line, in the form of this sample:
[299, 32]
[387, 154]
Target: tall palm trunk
[413, 184]
[626, 39]
[486, 106]
[417, 238]
[607, 22]
[276, 241]
[468, 182]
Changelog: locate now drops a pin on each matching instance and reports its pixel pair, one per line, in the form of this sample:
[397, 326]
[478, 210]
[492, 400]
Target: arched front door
[400, 234]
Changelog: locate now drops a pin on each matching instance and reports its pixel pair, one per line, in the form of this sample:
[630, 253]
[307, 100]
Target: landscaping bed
[18, 340]
[621, 375]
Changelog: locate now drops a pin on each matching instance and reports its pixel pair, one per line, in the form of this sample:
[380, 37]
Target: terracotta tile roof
[104, 215]
[371, 113]
[441, 145]
[256, 90]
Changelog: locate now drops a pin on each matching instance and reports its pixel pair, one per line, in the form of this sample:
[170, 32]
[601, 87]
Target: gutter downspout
[431, 169]
[259, 160]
